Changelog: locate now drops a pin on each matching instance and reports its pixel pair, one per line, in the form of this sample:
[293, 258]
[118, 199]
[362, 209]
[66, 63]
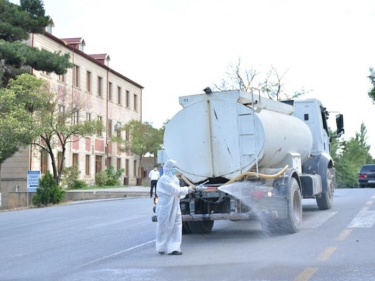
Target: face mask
[174, 171]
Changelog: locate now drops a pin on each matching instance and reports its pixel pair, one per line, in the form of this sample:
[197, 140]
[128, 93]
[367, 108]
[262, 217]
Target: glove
[191, 188]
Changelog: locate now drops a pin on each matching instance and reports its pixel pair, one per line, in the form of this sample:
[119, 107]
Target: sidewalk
[107, 193]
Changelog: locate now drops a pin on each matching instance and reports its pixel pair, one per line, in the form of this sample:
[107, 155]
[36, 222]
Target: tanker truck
[251, 157]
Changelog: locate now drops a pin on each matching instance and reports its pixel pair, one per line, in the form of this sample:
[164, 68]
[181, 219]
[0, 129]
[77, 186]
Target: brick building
[110, 97]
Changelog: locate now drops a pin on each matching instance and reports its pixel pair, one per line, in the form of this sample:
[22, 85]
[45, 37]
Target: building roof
[74, 41]
[64, 42]
[100, 56]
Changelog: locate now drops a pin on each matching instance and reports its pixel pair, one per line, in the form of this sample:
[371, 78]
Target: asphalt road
[114, 240]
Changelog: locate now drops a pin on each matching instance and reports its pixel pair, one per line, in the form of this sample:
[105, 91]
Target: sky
[178, 47]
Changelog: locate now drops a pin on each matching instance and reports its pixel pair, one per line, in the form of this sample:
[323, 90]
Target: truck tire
[200, 227]
[292, 223]
[325, 200]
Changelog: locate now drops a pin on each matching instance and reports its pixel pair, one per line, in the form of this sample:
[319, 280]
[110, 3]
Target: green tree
[21, 101]
[371, 93]
[60, 123]
[9, 143]
[142, 138]
[16, 113]
[16, 23]
[351, 155]
[240, 78]
[46, 118]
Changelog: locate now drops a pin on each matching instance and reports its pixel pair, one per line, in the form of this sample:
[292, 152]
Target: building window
[135, 102]
[135, 168]
[76, 75]
[127, 167]
[118, 164]
[88, 116]
[88, 81]
[110, 91]
[62, 78]
[75, 159]
[109, 128]
[98, 164]
[43, 162]
[75, 117]
[99, 133]
[119, 95]
[109, 161]
[100, 86]
[127, 99]
[87, 165]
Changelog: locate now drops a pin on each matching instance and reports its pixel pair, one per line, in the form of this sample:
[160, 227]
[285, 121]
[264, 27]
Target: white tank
[215, 135]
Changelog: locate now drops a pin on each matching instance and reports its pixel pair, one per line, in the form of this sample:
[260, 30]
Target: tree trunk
[62, 163]
[140, 169]
[53, 163]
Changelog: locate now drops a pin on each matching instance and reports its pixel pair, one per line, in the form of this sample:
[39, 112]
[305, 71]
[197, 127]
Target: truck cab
[316, 116]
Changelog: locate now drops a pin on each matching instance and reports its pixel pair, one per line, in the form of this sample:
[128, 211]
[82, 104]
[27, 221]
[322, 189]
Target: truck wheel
[200, 227]
[294, 220]
[325, 201]
[185, 228]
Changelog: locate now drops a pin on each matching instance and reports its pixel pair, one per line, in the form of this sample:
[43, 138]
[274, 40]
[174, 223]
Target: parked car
[366, 176]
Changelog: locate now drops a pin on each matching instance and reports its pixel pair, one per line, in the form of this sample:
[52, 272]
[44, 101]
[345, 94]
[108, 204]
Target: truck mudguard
[318, 164]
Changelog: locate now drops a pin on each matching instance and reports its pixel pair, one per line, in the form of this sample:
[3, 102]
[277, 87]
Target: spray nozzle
[201, 186]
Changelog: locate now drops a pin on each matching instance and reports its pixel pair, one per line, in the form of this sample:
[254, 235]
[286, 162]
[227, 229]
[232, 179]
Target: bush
[109, 177]
[48, 191]
[70, 178]
[78, 184]
[113, 176]
[101, 178]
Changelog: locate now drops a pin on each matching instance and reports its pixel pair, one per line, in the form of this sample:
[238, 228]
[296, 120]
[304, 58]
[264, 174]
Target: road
[114, 240]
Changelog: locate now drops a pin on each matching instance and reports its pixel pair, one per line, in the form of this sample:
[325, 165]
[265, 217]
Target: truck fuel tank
[218, 135]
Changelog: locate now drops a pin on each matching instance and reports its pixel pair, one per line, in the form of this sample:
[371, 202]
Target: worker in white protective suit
[169, 222]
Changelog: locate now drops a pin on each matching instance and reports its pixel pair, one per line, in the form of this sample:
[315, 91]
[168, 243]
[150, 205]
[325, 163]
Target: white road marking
[363, 219]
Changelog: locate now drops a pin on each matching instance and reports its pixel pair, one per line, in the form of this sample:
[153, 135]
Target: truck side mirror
[340, 124]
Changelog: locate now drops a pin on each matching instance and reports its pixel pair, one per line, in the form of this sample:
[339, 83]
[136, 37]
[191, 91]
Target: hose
[262, 176]
[186, 180]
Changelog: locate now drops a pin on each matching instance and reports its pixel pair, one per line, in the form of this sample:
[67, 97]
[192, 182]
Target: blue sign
[32, 180]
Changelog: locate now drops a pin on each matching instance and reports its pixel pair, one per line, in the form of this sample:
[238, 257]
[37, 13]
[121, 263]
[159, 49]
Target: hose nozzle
[201, 186]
